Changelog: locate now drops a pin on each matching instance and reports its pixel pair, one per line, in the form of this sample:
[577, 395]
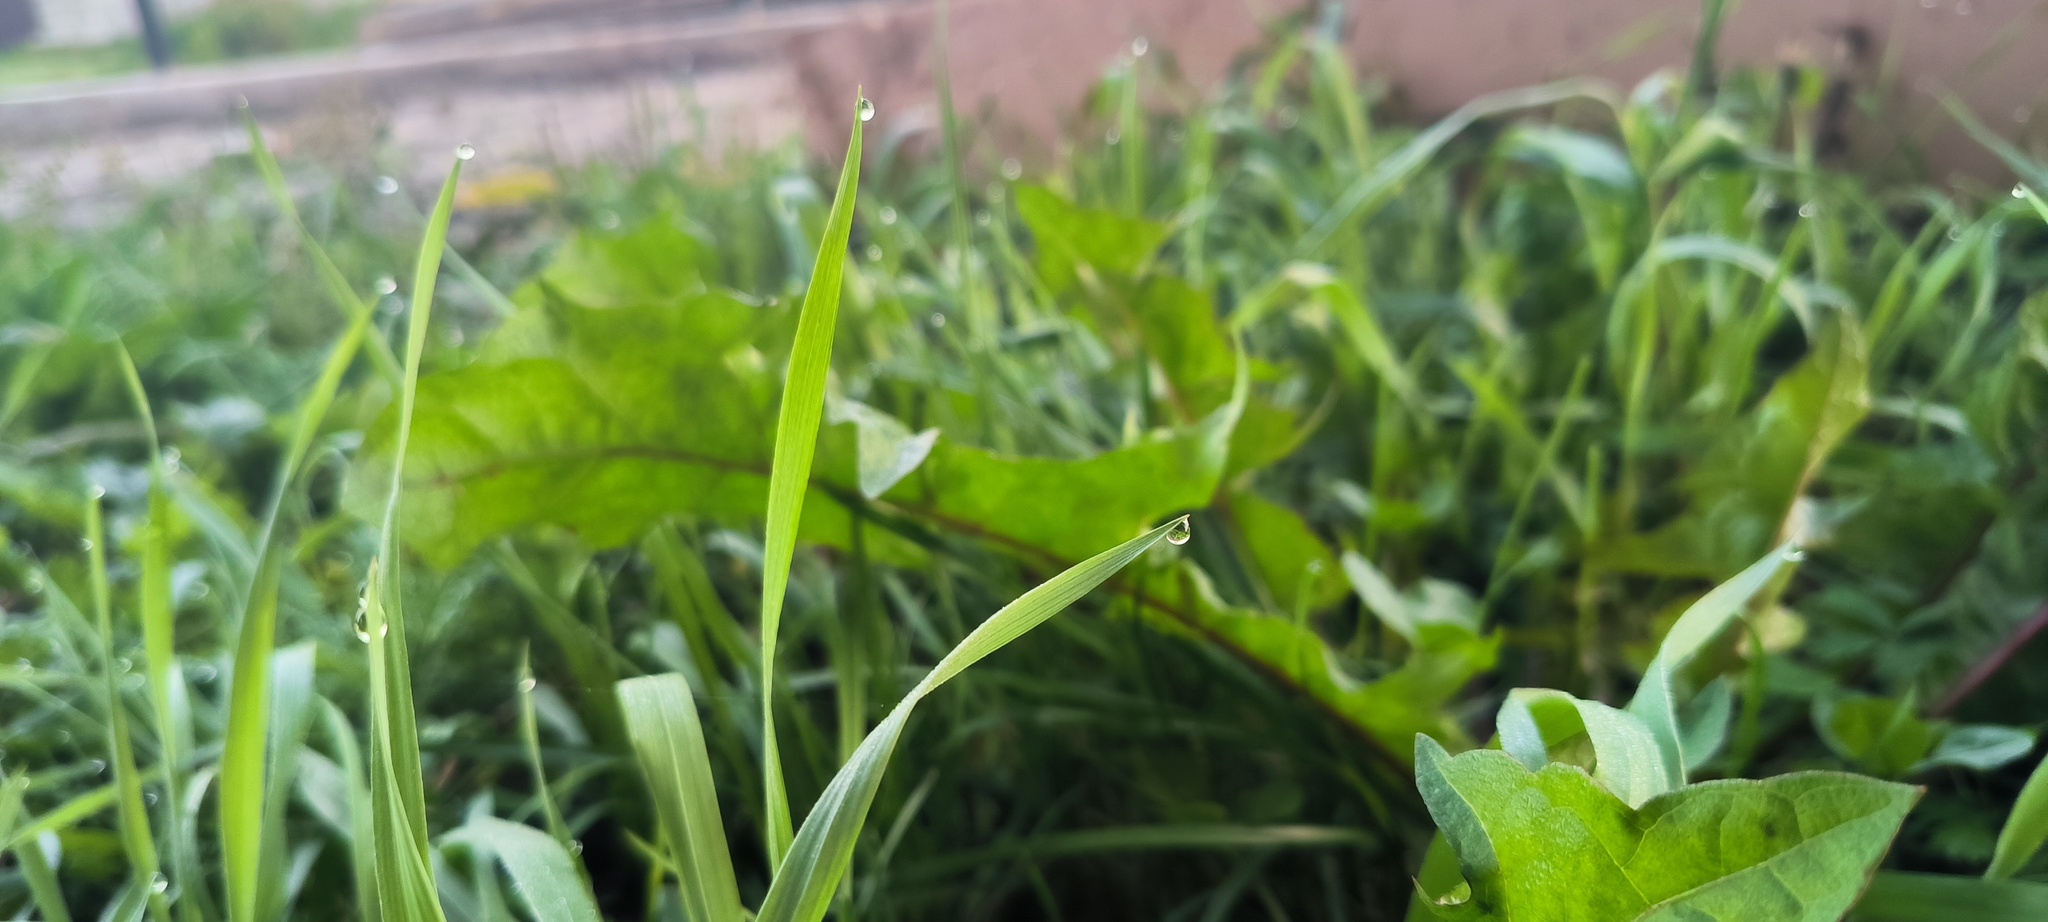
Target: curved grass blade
[809, 876]
[136, 839]
[1654, 700]
[542, 871]
[404, 870]
[668, 740]
[243, 788]
[2026, 828]
[796, 442]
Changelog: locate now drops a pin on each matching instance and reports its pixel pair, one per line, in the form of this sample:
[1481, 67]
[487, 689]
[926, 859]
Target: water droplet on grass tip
[122, 664]
[528, 684]
[171, 458]
[888, 215]
[1113, 136]
[241, 102]
[2019, 191]
[464, 152]
[1808, 210]
[98, 766]
[1795, 554]
[387, 185]
[386, 285]
[1012, 168]
[98, 491]
[159, 884]
[85, 544]
[575, 846]
[1180, 532]
[865, 109]
[1139, 46]
[149, 797]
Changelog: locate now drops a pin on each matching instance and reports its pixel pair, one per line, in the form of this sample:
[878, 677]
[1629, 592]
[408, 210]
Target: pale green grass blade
[1903, 896]
[406, 890]
[290, 719]
[542, 871]
[668, 740]
[796, 442]
[43, 889]
[2026, 828]
[362, 855]
[1374, 189]
[818, 859]
[529, 734]
[243, 787]
[66, 815]
[136, 839]
[1654, 700]
[338, 290]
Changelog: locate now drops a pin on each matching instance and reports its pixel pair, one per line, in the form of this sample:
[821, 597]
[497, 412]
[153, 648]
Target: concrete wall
[1033, 60]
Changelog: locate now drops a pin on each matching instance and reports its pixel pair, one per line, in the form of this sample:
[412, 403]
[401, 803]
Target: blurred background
[93, 102]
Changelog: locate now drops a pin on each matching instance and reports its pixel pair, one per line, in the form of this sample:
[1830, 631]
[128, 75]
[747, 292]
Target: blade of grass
[338, 290]
[406, 890]
[542, 870]
[668, 741]
[806, 880]
[796, 442]
[2026, 828]
[243, 788]
[154, 594]
[136, 840]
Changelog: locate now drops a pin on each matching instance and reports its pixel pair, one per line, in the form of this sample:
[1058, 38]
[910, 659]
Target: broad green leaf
[1069, 236]
[2026, 828]
[668, 740]
[796, 444]
[810, 874]
[1880, 736]
[543, 872]
[654, 262]
[1554, 845]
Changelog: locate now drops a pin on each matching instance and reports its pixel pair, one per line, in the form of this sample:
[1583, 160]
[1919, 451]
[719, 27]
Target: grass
[1452, 411]
[226, 31]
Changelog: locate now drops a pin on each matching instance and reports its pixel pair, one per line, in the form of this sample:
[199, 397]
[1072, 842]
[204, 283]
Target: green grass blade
[43, 889]
[1901, 896]
[542, 871]
[529, 734]
[1699, 624]
[290, 719]
[808, 878]
[668, 740]
[243, 788]
[338, 290]
[405, 880]
[136, 839]
[2026, 828]
[796, 442]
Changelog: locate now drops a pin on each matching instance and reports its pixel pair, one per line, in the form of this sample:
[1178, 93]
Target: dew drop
[1113, 136]
[171, 458]
[938, 320]
[387, 185]
[575, 846]
[122, 664]
[98, 491]
[1180, 532]
[1315, 568]
[63, 737]
[33, 585]
[241, 102]
[527, 684]
[386, 284]
[85, 544]
[1795, 554]
[159, 884]
[982, 218]
[98, 766]
[149, 797]
[465, 152]
[1808, 210]
[865, 109]
[874, 252]
[609, 220]
[205, 675]
[1289, 117]
[1012, 168]
[1139, 46]
[2019, 191]
[24, 666]
[1955, 233]
[888, 215]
